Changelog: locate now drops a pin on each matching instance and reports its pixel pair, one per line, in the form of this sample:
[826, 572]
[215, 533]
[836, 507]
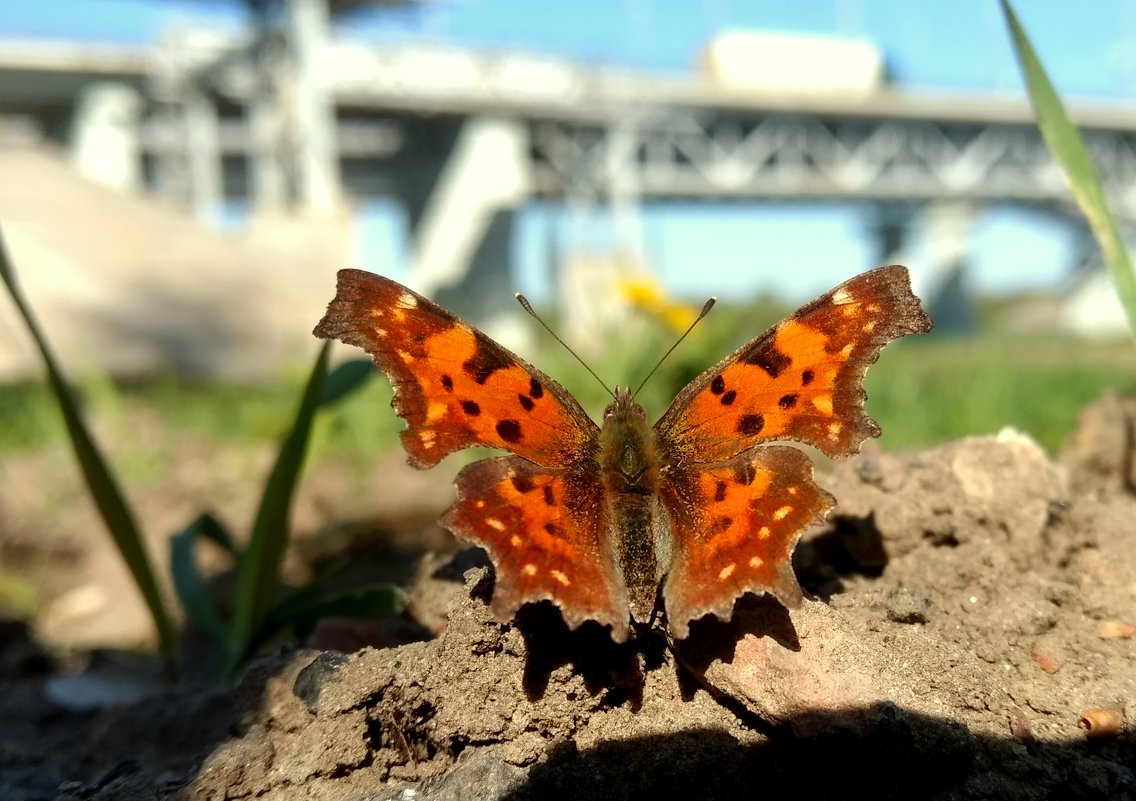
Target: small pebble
[1102, 722]
[1115, 630]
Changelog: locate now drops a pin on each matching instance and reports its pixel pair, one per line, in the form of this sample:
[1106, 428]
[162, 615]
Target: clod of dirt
[1102, 448]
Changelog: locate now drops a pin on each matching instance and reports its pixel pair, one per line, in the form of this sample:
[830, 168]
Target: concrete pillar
[945, 291]
[316, 158]
[169, 163]
[104, 136]
[462, 240]
[891, 225]
[267, 189]
[425, 152]
[203, 157]
[485, 292]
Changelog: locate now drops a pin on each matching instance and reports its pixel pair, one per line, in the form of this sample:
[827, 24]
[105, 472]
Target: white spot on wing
[727, 571]
[529, 569]
[407, 300]
[842, 296]
[494, 524]
[782, 513]
[560, 577]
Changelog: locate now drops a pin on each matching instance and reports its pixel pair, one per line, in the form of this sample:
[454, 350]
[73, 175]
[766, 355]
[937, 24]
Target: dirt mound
[974, 606]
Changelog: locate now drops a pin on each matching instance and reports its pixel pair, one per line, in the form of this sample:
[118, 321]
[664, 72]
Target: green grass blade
[259, 565]
[100, 481]
[188, 584]
[306, 607]
[1068, 150]
[345, 379]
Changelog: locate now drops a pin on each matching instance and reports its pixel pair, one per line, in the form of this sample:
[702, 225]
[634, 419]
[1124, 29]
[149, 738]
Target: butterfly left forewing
[545, 532]
[800, 380]
[454, 386]
[734, 527]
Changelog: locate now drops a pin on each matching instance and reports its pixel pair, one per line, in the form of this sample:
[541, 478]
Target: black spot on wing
[523, 484]
[807, 377]
[509, 430]
[486, 360]
[729, 397]
[549, 498]
[768, 358]
[720, 524]
[718, 385]
[720, 491]
[526, 402]
[448, 383]
[536, 391]
[751, 424]
[788, 401]
[471, 408]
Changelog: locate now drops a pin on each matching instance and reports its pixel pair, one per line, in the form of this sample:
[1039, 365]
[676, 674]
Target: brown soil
[973, 603]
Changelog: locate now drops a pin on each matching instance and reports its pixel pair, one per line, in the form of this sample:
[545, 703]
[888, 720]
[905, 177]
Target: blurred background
[181, 179]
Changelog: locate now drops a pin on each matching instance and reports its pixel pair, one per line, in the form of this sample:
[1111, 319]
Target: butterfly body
[632, 471]
[598, 519]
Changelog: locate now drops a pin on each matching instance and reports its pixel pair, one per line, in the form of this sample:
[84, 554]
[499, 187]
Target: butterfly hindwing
[734, 526]
[454, 386]
[546, 533]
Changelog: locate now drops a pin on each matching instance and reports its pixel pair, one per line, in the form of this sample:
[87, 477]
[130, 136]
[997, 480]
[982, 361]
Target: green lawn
[922, 391]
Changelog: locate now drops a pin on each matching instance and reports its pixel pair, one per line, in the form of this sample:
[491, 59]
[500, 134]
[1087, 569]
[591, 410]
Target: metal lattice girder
[683, 153]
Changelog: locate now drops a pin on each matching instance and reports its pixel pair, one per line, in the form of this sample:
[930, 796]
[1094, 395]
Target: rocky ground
[970, 635]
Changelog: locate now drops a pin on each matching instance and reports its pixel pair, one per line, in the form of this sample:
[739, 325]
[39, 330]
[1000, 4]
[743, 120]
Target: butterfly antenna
[521, 299]
[705, 310]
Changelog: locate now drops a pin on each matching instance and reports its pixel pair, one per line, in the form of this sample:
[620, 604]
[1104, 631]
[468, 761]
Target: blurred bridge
[464, 138]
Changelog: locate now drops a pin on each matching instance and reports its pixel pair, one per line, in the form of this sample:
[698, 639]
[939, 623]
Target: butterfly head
[623, 406]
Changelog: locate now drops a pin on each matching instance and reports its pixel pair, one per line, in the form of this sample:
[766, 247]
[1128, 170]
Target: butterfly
[603, 519]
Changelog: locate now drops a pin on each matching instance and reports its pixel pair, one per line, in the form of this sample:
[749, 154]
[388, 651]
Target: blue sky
[1089, 48]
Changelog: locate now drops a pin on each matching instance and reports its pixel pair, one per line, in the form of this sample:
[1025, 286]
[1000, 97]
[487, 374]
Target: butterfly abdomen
[630, 467]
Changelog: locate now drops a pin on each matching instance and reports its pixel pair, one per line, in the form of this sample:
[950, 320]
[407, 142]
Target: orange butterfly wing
[454, 386]
[540, 517]
[737, 510]
[800, 380]
[734, 527]
[546, 532]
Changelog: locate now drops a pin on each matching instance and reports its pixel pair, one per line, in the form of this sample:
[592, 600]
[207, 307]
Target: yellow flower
[645, 291]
